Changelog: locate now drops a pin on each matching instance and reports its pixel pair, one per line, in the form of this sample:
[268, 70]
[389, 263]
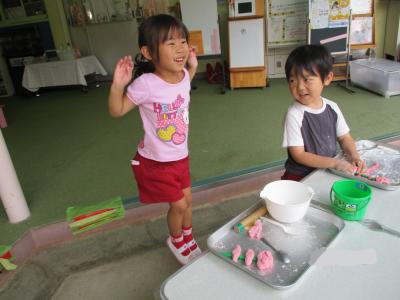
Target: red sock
[188, 238]
[178, 242]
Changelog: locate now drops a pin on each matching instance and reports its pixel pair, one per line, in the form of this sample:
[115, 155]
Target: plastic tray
[387, 156]
[320, 229]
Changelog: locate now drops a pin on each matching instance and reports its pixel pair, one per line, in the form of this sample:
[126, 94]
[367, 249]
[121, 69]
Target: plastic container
[350, 198]
[286, 200]
[378, 75]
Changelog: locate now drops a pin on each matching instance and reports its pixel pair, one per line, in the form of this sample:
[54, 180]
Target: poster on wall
[360, 7]
[319, 14]
[287, 7]
[362, 31]
[339, 13]
[332, 13]
[286, 22]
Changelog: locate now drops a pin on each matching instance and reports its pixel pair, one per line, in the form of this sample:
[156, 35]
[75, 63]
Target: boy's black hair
[153, 31]
[314, 59]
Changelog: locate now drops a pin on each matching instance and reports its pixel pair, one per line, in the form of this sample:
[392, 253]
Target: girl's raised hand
[123, 72]
[192, 59]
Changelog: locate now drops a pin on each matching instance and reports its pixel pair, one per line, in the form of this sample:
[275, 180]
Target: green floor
[67, 150]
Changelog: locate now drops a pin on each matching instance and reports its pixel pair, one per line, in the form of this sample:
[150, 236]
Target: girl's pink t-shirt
[164, 109]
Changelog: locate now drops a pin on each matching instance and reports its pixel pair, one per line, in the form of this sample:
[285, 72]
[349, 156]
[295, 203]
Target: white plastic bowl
[286, 200]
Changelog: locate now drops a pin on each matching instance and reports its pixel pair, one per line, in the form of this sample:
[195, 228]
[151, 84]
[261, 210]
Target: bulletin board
[334, 39]
[201, 19]
[329, 24]
[286, 22]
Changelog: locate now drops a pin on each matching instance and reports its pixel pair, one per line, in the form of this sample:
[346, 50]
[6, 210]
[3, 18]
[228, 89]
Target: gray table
[209, 277]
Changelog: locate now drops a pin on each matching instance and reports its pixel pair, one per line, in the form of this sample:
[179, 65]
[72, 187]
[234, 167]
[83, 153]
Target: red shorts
[160, 181]
[290, 176]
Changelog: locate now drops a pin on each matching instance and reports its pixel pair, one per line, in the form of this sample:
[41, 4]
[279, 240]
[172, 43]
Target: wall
[392, 36]
[58, 23]
[381, 8]
[109, 42]
[223, 32]
[121, 37]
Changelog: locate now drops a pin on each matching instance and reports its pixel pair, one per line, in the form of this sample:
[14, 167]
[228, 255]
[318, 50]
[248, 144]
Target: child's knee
[188, 200]
[179, 206]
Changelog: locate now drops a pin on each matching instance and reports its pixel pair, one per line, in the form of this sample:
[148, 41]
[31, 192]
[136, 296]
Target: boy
[313, 124]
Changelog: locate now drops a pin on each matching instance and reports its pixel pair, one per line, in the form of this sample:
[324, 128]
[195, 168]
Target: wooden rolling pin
[247, 222]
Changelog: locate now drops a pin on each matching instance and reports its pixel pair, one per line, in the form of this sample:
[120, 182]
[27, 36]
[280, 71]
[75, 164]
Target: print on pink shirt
[171, 125]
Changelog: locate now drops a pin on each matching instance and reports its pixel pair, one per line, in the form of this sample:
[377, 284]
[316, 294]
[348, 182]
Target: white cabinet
[247, 53]
[246, 43]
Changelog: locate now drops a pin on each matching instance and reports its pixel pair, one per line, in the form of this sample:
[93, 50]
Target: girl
[161, 91]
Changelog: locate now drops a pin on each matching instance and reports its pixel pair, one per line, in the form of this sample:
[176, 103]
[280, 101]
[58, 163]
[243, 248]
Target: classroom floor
[67, 150]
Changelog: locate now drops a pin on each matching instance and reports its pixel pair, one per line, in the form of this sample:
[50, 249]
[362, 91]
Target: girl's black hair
[314, 59]
[153, 31]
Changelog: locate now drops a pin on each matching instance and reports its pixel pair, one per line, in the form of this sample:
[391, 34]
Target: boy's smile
[307, 88]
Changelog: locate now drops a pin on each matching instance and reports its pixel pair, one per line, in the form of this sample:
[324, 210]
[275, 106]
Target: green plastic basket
[350, 198]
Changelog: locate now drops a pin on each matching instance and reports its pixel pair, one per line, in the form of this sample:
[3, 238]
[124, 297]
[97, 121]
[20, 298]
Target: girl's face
[307, 88]
[172, 57]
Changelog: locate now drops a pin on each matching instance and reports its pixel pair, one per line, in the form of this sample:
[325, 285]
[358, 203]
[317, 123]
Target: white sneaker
[196, 252]
[178, 252]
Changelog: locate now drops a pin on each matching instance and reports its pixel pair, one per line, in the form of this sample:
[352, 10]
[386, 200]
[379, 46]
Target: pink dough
[382, 180]
[236, 253]
[256, 230]
[265, 260]
[371, 169]
[249, 257]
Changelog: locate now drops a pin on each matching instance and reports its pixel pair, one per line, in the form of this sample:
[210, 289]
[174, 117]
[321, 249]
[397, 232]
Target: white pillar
[10, 190]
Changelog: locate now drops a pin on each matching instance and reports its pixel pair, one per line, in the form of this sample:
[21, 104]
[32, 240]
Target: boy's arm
[192, 63]
[349, 148]
[118, 103]
[318, 161]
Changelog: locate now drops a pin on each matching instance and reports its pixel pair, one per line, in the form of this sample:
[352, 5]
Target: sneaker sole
[180, 258]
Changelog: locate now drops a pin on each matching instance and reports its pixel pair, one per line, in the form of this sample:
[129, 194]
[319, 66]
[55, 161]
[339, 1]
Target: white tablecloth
[59, 73]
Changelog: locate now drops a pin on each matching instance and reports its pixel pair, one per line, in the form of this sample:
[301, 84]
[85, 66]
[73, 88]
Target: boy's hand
[344, 166]
[123, 72]
[359, 165]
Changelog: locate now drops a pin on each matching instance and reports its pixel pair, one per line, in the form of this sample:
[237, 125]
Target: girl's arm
[118, 103]
[349, 148]
[318, 161]
[192, 63]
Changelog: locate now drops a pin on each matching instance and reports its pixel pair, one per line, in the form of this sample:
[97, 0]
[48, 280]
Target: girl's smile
[173, 55]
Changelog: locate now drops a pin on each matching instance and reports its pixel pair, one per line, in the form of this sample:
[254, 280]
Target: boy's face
[307, 88]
